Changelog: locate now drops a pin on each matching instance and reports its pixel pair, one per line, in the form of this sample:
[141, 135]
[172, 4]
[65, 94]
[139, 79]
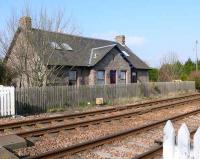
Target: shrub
[6, 74]
[153, 75]
[195, 76]
[184, 77]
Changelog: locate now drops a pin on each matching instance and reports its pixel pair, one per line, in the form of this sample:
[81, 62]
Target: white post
[168, 141]
[12, 101]
[183, 139]
[1, 101]
[4, 100]
[7, 101]
[196, 149]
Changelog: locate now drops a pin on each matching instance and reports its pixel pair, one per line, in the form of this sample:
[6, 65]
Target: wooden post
[196, 149]
[168, 141]
[183, 139]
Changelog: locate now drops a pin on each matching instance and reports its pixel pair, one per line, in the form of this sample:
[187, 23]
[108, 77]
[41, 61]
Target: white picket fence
[7, 101]
[180, 147]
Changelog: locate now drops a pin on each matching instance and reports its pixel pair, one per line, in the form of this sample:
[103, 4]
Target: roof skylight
[55, 45]
[125, 53]
[66, 46]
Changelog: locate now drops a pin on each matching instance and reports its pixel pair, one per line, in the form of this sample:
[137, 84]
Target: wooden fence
[41, 99]
[7, 101]
[182, 149]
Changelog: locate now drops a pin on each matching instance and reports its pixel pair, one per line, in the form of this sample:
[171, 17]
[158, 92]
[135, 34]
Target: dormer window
[95, 56]
[125, 53]
[66, 47]
[55, 45]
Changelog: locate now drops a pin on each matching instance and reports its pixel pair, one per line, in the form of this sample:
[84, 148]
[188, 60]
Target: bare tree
[28, 62]
[170, 68]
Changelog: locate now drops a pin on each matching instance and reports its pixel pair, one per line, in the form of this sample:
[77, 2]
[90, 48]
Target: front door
[133, 76]
[113, 77]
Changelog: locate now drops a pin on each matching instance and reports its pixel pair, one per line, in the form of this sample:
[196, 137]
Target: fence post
[7, 101]
[196, 149]
[168, 141]
[183, 140]
[12, 100]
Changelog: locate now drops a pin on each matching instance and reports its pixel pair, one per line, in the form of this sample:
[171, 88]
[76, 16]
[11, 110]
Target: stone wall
[82, 74]
[112, 61]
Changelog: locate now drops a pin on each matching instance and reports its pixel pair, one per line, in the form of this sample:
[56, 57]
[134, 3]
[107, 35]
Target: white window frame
[124, 76]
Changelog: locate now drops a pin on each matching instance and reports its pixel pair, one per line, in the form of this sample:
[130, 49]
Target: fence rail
[180, 148]
[37, 100]
[7, 101]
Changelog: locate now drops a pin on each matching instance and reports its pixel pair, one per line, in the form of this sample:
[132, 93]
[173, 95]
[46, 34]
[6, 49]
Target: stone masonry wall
[112, 61]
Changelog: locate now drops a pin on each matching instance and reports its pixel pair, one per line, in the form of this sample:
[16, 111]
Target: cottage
[76, 60]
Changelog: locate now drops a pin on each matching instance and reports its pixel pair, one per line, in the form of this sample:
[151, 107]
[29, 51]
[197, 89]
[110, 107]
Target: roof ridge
[101, 47]
[73, 35]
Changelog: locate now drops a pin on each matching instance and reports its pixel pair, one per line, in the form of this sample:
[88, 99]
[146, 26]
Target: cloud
[131, 40]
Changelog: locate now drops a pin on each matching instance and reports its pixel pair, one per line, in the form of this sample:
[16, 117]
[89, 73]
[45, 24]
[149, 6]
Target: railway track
[55, 129]
[174, 103]
[97, 116]
[155, 152]
[131, 135]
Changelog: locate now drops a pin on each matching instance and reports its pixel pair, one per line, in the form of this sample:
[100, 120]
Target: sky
[153, 28]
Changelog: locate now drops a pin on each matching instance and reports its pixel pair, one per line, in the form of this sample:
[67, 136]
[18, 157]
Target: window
[125, 53]
[55, 45]
[133, 76]
[123, 76]
[72, 75]
[100, 77]
[66, 47]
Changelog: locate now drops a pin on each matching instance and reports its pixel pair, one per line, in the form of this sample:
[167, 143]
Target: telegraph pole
[196, 47]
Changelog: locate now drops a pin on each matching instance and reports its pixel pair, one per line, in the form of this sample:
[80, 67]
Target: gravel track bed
[67, 138]
[68, 121]
[134, 145]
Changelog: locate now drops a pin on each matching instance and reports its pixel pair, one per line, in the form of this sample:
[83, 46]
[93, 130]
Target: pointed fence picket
[7, 101]
[181, 149]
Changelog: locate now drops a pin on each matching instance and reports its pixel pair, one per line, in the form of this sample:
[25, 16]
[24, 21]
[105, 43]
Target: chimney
[120, 39]
[25, 22]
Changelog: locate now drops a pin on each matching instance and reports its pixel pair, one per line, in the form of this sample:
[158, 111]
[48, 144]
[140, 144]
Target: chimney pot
[25, 22]
[120, 39]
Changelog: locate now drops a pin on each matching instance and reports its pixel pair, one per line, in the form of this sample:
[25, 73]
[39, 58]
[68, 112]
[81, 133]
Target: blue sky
[153, 28]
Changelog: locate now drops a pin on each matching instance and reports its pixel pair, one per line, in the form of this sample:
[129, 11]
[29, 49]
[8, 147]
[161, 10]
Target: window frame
[100, 81]
[66, 47]
[124, 75]
[73, 79]
[55, 45]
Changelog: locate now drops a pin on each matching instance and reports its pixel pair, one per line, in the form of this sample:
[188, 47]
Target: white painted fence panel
[7, 101]
[182, 149]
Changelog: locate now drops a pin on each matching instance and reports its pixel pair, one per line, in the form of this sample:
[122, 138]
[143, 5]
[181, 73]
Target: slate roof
[83, 49]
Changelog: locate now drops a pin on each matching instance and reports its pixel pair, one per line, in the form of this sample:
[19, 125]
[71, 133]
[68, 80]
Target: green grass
[88, 105]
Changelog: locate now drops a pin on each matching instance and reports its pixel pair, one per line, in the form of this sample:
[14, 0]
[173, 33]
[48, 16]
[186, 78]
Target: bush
[6, 74]
[195, 76]
[2, 72]
[184, 77]
[153, 75]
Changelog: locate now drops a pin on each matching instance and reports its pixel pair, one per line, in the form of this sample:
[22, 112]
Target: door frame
[113, 76]
[132, 79]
